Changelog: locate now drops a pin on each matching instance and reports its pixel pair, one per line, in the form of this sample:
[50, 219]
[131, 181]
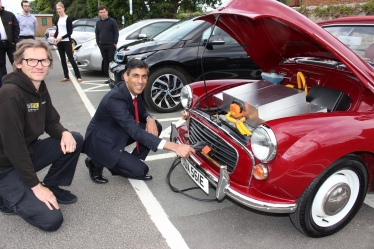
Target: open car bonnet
[271, 32]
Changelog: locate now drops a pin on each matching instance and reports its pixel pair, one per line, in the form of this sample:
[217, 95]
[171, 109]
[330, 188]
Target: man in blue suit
[115, 125]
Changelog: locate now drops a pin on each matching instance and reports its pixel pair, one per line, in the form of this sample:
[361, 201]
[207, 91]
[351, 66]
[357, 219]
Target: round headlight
[186, 97]
[264, 144]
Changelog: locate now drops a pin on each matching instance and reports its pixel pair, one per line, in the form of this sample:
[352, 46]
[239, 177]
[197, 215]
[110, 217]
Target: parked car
[85, 22]
[48, 31]
[80, 34]
[88, 55]
[178, 55]
[300, 140]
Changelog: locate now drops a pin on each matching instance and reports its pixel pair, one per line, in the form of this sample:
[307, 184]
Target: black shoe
[63, 196]
[107, 81]
[147, 177]
[96, 173]
[6, 210]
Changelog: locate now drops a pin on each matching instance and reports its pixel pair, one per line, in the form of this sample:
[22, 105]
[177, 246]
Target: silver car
[88, 56]
[80, 34]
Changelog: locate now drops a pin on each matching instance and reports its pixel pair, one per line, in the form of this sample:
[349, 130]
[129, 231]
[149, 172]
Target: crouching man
[26, 112]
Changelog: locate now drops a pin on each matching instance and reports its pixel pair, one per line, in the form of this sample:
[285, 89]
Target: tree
[33, 7]
[77, 9]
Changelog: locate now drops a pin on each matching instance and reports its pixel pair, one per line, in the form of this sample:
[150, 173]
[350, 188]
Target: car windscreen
[359, 38]
[178, 31]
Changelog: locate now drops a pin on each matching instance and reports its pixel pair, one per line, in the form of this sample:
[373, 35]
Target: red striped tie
[135, 100]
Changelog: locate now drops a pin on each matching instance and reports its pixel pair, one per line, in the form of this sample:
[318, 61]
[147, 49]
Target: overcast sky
[12, 5]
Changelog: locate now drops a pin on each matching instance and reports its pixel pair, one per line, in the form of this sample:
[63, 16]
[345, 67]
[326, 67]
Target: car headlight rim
[186, 97]
[264, 144]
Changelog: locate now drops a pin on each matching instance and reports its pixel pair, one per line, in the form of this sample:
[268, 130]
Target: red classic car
[299, 141]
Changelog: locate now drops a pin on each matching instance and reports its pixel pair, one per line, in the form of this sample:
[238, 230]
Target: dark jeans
[107, 52]
[17, 196]
[8, 48]
[65, 47]
[130, 165]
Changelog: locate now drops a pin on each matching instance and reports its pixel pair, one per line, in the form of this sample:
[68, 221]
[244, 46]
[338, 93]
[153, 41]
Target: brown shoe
[79, 80]
[64, 80]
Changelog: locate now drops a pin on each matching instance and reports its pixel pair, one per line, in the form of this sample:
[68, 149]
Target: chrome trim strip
[233, 138]
[223, 189]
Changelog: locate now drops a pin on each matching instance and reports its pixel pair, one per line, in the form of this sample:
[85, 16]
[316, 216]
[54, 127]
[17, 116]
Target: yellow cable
[239, 124]
[301, 78]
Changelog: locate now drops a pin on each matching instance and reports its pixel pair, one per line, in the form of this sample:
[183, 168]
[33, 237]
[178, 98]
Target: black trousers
[6, 48]
[65, 47]
[130, 164]
[17, 196]
[24, 37]
[107, 52]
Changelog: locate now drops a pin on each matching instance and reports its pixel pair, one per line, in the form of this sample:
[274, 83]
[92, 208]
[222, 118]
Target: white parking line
[154, 209]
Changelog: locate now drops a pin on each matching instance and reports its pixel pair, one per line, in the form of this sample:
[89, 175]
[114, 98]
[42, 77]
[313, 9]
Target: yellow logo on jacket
[32, 107]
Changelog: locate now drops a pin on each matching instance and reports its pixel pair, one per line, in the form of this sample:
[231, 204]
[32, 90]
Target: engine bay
[244, 107]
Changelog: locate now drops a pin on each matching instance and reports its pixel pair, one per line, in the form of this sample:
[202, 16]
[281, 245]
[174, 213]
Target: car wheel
[162, 92]
[332, 199]
[74, 42]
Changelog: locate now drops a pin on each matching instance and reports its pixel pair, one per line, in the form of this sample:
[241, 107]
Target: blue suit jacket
[113, 124]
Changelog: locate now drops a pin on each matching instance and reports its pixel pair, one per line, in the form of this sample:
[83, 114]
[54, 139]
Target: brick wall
[323, 2]
[42, 28]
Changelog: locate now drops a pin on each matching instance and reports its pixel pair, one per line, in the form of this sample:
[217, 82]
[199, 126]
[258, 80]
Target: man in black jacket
[106, 33]
[26, 112]
[9, 32]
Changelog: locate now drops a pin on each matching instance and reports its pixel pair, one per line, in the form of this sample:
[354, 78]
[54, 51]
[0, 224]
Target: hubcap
[166, 90]
[335, 198]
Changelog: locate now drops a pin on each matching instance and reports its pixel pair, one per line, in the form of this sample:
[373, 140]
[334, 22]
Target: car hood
[140, 47]
[272, 32]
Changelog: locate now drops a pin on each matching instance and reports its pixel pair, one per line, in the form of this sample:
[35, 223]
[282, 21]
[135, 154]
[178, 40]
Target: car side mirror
[215, 40]
[142, 36]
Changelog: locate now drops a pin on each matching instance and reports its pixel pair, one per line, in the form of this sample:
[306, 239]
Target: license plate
[196, 176]
[111, 76]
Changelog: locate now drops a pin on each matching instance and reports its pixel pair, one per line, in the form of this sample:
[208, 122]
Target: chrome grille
[222, 153]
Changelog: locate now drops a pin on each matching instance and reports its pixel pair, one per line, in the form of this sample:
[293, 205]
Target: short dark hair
[135, 63]
[102, 7]
[24, 2]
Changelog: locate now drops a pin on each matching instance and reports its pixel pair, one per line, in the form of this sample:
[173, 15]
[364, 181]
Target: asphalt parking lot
[136, 214]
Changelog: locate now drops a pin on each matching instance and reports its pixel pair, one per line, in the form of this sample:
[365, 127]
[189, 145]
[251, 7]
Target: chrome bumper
[223, 188]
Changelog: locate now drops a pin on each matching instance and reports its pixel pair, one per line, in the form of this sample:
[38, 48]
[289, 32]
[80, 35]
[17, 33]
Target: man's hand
[46, 196]
[67, 143]
[151, 126]
[182, 150]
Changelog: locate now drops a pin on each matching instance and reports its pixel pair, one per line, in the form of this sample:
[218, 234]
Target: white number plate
[196, 176]
[111, 76]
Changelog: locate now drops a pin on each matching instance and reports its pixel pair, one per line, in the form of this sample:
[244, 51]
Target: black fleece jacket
[10, 24]
[106, 32]
[25, 114]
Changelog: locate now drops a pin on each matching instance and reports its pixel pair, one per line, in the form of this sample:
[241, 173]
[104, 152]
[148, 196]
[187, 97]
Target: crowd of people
[26, 113]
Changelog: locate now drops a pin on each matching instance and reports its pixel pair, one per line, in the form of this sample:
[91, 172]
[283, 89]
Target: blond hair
[60, 4]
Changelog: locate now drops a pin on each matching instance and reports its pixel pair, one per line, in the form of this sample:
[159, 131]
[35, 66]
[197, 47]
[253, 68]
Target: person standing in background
[106, 33]
[27, 22]
[64, 29]
[9, 32]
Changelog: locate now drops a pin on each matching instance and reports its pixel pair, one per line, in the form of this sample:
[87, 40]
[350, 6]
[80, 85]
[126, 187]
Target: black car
[180, 55]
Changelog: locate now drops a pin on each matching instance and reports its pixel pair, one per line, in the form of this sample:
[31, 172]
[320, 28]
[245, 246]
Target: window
[218, 32]
[44, 21]
[79, 28]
